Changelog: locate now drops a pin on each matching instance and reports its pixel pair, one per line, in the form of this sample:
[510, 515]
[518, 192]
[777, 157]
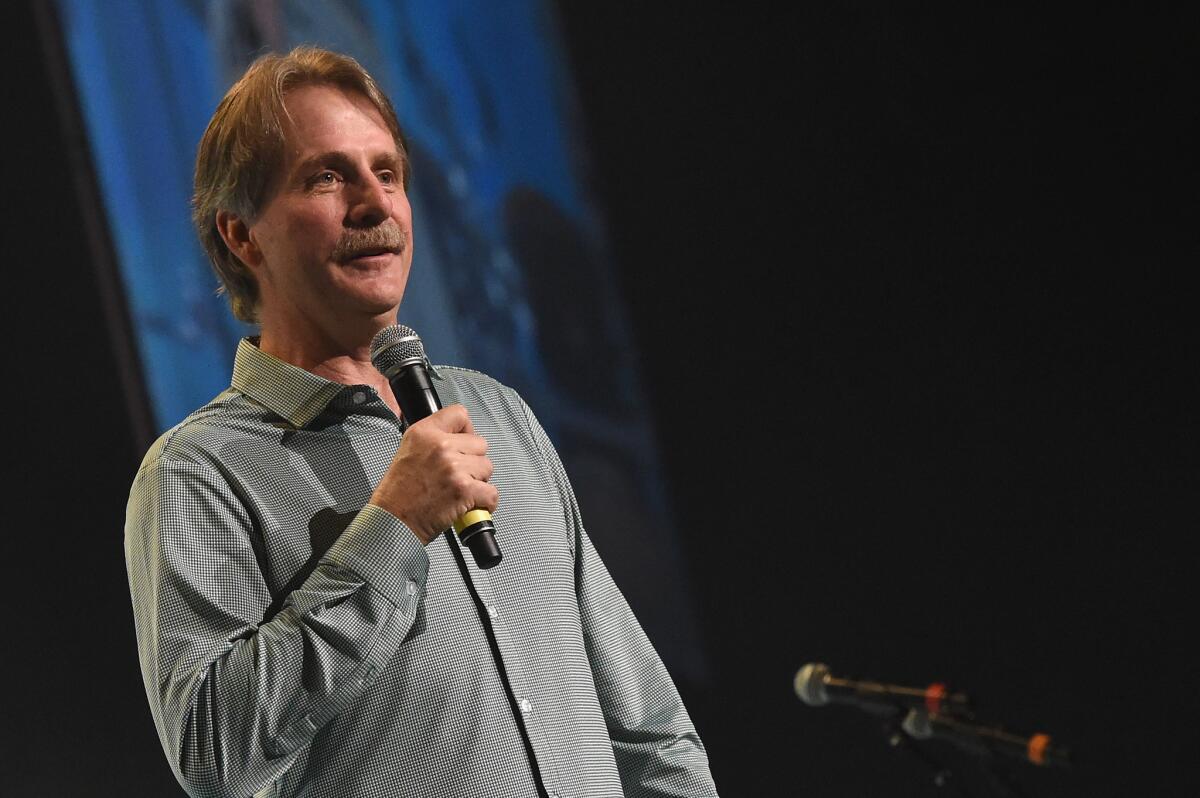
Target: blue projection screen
[510, 272]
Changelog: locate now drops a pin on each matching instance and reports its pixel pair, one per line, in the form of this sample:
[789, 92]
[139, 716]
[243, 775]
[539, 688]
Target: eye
[387, 177]
[323, 178]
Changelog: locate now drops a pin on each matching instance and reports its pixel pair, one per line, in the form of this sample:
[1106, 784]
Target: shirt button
[359, 397]
[410, 588]
[493, 612]
[526, 707]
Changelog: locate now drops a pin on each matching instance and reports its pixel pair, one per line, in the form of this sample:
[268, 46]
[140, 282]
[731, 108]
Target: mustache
[388, 236]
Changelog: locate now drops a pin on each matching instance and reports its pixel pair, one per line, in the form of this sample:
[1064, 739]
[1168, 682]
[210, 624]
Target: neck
[340, 358]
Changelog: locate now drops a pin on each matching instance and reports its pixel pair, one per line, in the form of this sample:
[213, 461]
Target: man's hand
[440, 472]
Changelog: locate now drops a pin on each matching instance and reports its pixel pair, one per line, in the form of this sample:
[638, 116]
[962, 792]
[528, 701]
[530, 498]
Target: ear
[236, 234]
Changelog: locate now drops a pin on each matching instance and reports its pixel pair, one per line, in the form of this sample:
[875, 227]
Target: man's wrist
[384, 551]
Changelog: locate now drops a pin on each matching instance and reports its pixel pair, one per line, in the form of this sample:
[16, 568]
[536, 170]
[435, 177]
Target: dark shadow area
[77, 719]
[915, 299]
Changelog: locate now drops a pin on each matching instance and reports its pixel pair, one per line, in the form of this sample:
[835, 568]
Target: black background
[914, 296]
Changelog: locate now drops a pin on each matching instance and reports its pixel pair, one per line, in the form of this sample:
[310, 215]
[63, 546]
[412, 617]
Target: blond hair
[242, 150]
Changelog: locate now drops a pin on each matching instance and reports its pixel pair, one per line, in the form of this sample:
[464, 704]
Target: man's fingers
[452, 418]
[487, 497]
[466, 443]
[479, 467]
[440, 471]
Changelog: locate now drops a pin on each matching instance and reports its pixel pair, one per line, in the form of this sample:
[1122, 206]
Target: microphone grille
[810, 684]
[394, 347]
[917, 725]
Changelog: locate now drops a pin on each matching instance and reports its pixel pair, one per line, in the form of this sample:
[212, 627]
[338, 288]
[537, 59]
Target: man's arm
[655, 744]
[236, 697]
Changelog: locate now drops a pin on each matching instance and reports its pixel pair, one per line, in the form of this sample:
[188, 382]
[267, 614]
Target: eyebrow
[337, 158]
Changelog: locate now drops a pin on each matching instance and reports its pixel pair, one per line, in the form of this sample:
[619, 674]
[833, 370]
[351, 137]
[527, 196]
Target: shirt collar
[294, 394]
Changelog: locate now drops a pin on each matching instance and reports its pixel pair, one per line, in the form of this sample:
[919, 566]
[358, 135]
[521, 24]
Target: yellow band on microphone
[470, 519]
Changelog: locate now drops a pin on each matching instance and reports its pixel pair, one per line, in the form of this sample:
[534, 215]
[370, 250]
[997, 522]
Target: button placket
[518, 681]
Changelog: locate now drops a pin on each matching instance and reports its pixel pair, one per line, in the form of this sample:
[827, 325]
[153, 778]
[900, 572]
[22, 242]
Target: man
[304, 629]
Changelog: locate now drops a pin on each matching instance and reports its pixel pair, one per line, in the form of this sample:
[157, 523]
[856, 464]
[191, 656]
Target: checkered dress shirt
[297, 641]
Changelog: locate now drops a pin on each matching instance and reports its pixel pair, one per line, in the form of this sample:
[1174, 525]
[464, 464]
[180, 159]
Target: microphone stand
[1000, 780]
[940, 775]
[985, 743]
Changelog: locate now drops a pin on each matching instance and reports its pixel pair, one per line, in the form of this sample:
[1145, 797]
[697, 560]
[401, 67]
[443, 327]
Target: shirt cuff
[381, 549]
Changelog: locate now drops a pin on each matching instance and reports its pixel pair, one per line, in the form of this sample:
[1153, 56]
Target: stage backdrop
[510, 274]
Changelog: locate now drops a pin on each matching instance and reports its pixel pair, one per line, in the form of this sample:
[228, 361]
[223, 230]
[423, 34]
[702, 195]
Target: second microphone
[399, 355]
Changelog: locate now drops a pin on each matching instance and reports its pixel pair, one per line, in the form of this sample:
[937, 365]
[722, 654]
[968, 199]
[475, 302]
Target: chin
[374, 297]
[376, 306]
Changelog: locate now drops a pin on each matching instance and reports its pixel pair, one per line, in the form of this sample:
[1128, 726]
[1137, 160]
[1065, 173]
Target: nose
[370, 203]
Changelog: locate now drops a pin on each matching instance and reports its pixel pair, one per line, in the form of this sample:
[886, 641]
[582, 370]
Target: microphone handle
[418, 399]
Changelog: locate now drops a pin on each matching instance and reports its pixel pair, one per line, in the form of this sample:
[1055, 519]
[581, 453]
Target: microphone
[399, 355]
[816, 686]
[1035, 748]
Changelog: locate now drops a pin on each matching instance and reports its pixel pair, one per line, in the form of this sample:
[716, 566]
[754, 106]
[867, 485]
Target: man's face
[336, 236]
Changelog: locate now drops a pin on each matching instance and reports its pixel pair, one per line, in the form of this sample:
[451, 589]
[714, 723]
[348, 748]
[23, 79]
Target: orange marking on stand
[934, 694]
[1038, 744]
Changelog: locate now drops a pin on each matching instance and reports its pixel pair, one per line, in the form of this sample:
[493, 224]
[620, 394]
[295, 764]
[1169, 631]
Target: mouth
[372, 252]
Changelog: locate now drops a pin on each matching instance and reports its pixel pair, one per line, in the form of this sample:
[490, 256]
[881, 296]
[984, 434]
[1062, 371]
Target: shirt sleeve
[236, 697]
[656, 747]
